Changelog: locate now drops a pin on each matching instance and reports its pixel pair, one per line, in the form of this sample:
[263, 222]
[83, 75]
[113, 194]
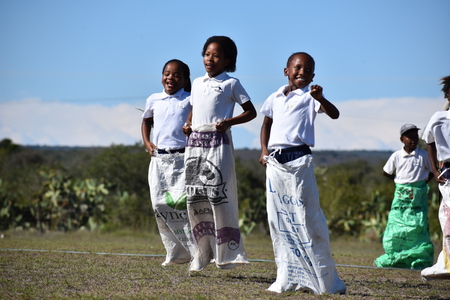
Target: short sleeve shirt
[408, 167]
[214, 98]
[169, 113]
[438, 131]
[293, 117]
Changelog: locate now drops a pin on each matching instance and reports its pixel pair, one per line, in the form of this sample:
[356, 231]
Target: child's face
[300, 72]
[410, 139]
[173, 78]
[214, 60]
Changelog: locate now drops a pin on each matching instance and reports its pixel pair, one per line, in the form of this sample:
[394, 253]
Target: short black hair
[186, 72]
[299, 53]
[228, 47]
[445, 81]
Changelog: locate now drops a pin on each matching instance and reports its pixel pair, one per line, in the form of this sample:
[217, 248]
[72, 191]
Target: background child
[298, 226]
[406, 239]
[437, 137]
[166, 112]
[210, 171]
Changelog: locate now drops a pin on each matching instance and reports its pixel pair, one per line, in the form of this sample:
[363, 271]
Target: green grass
[57, 274]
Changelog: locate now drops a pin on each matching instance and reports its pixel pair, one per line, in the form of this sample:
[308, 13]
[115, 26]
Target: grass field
[118, 266]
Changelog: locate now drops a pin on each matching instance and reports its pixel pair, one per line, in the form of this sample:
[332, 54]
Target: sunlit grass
[86, 274]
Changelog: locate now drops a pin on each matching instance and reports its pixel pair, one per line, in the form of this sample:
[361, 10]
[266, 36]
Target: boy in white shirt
[406, 239]
[298, 226]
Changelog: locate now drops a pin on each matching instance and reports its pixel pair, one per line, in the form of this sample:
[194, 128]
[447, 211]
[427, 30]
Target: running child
[210, 171]
[297, 223]
[166, 113]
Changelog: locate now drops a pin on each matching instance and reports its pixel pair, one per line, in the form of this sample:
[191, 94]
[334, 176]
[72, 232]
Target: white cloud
[372, 124]
[34, 122]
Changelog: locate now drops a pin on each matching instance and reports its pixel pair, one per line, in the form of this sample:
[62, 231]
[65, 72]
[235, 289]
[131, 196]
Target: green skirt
[406, 239]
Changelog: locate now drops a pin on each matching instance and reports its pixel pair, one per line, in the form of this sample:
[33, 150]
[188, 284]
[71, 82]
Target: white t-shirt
[169, 113]
[438, 131]
[408, 168]
[293, 117]
[214, 98]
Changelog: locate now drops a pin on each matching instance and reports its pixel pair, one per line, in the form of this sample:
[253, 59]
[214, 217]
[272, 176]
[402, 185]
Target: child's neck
[291, 88]
[215, 74]
[409, 149]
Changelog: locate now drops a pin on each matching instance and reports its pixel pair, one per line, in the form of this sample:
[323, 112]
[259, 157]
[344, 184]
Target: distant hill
[321, 157]
[328, 157]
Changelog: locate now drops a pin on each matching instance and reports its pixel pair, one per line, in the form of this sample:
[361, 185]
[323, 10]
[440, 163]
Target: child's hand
[187, 130]
[222, 125]
[316, 92]
[261, 157]
[150, 148]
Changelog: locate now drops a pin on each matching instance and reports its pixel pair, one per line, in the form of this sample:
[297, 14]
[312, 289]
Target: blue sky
[73, 72]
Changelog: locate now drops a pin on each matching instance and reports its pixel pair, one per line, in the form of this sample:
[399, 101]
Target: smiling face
[300, 71]
[173, 78]
[214, 60]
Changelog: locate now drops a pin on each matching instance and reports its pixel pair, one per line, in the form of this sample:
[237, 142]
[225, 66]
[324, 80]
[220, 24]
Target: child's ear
[285, 71]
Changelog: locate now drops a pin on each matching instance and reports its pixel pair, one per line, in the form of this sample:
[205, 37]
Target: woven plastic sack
[166, 179]
[212, 199]
[406, 239]
[441, 270]
[299, 230]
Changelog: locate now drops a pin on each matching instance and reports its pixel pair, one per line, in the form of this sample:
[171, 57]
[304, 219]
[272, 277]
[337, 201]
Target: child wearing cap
[437, 137]
[406, 239]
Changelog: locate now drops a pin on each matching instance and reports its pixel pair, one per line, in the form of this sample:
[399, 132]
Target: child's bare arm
[390, 176]
[432, 155]
[264, 138]
[248, 115]
[325, 105]
[146, 126]
[187, 126]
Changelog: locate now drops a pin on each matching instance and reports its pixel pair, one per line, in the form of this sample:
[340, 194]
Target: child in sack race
[406, 239]
[297, 223]
[437, 137]
[210, 172]
[166, 113]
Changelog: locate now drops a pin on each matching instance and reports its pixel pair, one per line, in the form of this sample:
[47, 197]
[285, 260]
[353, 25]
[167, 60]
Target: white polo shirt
[214, 98]
[438, 131]
[169, 113]
[408, 167]
[293, 117]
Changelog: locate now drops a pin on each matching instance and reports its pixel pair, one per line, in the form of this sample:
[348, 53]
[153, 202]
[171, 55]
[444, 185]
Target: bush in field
[252, 196]
[107, 188]
[126, 168]
[355, 198]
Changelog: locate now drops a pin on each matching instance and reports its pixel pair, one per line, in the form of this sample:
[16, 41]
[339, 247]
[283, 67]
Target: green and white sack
[166, 179]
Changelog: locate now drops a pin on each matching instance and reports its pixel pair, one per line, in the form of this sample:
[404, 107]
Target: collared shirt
[408, 167]
[169, 113]
[438, 131]
[293, 117]
[214, 98]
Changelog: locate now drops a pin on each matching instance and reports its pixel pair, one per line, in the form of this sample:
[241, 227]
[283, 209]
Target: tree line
[106, 189]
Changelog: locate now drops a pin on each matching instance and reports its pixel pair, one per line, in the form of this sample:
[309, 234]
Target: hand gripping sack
[299, 230]
[167, 191]
[441, 270]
